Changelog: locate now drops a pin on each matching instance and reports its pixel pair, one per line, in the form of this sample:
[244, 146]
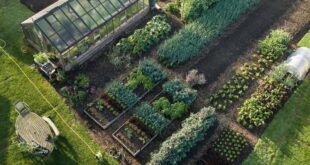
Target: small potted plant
[41, 59]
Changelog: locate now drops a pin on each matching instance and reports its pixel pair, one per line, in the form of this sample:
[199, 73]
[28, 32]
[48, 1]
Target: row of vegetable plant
[145, 124]
[150, 119]
[270, 49]
[267, 99]
[229, 146]
[194, 36]
[179, 144]
[120, 96]
[140, 41]
[189, 10]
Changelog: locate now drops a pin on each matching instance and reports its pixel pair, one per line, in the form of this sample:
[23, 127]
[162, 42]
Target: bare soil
[218, 62]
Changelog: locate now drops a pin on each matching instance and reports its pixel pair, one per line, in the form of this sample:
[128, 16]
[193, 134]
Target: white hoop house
[298, 63]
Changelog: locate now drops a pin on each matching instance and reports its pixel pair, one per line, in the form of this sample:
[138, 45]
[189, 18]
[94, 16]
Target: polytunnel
[298, 63]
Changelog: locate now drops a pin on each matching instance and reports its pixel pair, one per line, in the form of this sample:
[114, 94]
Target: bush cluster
[180, 92]
[123, 95]
[193, 9]
[150, 117]
[173, 111]
[188, 41]
[179, 144]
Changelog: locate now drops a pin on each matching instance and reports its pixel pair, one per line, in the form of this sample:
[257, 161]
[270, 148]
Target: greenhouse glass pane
[66, 37]
[78, 9]
[89, 22]
[67, 25]
[110, 7]
[103, 12]
[116, 4]
[46, 28]
[86, 5]
[61, 46]
[94, 14]
[82, 27]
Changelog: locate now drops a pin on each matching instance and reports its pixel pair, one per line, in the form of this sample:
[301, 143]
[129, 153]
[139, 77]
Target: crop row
[270, 49]
[188, 41]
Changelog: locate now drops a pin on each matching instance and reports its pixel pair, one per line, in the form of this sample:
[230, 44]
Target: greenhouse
[76, 30]
[298, 63]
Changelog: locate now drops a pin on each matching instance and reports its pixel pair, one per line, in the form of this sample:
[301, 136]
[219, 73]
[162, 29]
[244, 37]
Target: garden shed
[75, 30]
[298, 63]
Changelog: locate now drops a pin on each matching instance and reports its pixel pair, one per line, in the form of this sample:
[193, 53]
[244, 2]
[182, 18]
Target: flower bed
[270, 49]
[120, 97]
[268, 98]
[137, 132]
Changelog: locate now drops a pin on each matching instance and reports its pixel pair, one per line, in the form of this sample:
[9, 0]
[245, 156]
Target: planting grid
[218, 62]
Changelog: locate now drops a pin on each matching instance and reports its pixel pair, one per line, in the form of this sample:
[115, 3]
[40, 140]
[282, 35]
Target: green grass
[305, 41]
[14, 85]
[287, 138]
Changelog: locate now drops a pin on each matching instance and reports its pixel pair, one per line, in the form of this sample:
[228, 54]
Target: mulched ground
[217, 62]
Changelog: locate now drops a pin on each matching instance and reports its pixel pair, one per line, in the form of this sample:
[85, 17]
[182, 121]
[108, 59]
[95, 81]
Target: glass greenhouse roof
[71, 21]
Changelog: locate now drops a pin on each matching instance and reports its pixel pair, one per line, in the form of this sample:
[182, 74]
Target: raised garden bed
[120, 97]
[141, 129]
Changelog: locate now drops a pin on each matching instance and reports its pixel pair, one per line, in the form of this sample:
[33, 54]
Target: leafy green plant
[193, 9]
[268, 98]
[136, 78]
[124, 96]
[142, 39]
[173, 111]
[82, 81]
[61, 76]
[150, 117]
[186, 44]
[129, 132]
[179, 144]
[173, 8]
[152, 70]
[40, 58]
[180, 92]
[229, 145]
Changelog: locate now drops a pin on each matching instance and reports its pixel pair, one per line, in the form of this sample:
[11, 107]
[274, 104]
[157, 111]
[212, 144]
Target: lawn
[14, 85]
[305, 42]
[287, 138]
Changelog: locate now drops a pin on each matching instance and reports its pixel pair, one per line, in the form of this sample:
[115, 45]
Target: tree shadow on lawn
[5, 125]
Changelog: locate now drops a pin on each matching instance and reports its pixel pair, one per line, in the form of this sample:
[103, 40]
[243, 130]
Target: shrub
[61, 76]
[188, 41]
[194, 78]
[40, 58]
[173, 111]
[152, 70]
[193, 9]
[125, 97]
[180, 92]
[172, 8]
[150, 117]
[136, 78]
[275, 45]
[179, 144]
[82, 81]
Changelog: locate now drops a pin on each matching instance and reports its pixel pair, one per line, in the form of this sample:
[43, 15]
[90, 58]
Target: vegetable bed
[150, 119]
[144, 126]
[119, 97]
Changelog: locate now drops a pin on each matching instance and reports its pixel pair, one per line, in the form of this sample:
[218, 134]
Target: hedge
[188, 41]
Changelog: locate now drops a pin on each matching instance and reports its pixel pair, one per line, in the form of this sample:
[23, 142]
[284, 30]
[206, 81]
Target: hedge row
[193, 130]
[201, 32]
